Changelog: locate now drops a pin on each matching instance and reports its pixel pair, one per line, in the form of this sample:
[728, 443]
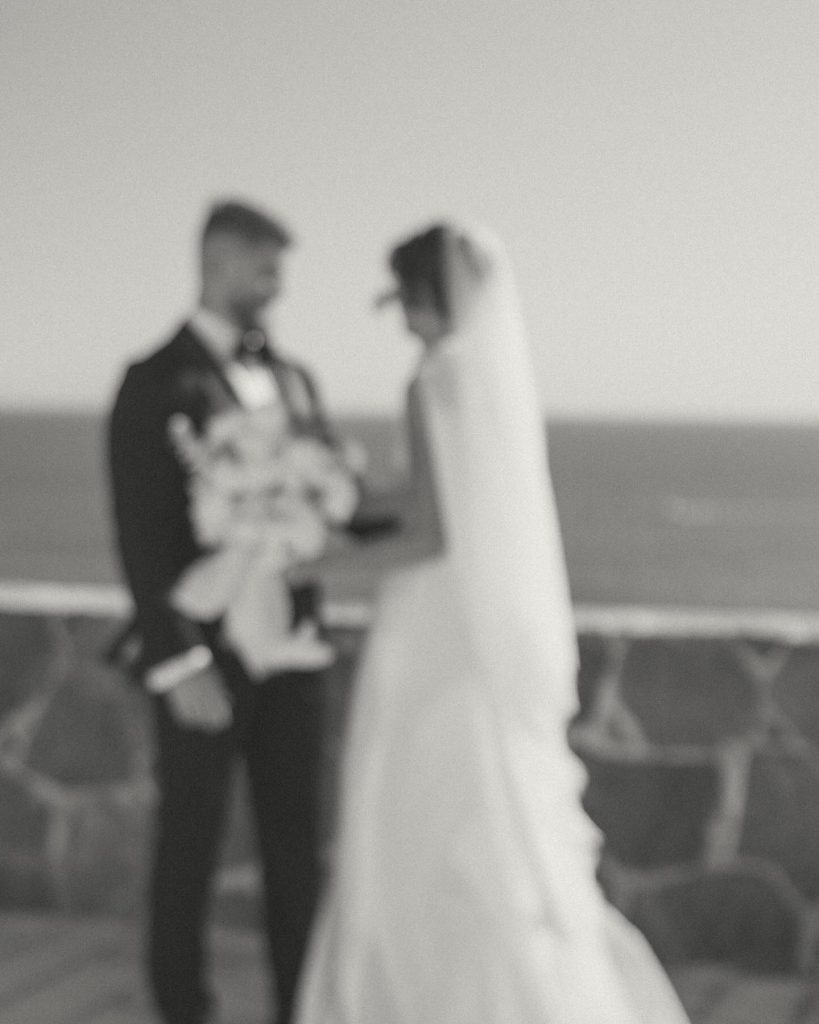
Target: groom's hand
[201, 702]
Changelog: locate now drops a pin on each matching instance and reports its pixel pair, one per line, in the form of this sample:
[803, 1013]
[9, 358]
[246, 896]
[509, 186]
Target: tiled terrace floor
[63, 970]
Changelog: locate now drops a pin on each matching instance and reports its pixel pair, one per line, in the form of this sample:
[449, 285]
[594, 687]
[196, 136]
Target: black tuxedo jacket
[149, 485]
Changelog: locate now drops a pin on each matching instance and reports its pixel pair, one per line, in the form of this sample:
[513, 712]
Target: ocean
[653, 513]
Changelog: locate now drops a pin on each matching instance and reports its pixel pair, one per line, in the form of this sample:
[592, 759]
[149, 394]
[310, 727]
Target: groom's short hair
[236, 218]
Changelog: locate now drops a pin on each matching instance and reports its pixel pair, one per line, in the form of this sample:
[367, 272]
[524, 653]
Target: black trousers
[278, 731]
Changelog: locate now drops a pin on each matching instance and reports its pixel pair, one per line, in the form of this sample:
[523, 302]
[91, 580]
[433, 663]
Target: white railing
[793, 627]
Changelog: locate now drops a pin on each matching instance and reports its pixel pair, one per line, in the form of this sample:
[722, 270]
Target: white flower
[250, 481]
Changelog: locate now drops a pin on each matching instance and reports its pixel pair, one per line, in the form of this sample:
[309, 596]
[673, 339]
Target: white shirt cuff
[167, 674]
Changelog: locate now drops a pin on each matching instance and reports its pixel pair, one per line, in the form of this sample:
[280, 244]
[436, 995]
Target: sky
[650, 164]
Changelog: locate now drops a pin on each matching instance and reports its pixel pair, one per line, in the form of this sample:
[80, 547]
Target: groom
[208, 709]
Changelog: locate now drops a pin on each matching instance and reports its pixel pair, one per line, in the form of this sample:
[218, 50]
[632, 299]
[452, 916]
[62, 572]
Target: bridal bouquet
[262, 502]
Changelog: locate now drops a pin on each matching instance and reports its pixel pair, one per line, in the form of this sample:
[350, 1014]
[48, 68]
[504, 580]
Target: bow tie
[252, 347]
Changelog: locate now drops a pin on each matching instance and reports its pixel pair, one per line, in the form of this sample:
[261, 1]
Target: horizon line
[561, 416]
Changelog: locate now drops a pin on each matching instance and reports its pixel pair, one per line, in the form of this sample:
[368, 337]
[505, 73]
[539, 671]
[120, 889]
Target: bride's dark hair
[418, 263]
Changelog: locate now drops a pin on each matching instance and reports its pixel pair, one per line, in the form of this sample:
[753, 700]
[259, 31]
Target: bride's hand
[201, 702]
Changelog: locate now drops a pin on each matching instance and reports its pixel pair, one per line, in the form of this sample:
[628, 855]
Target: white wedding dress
[463, 888]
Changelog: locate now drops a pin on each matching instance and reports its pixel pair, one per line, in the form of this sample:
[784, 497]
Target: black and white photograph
[409, 512]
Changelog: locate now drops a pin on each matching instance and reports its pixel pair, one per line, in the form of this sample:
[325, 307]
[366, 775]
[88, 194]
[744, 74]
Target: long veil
[495, 491]
[505, 552]
[505, 556]
[464, 879]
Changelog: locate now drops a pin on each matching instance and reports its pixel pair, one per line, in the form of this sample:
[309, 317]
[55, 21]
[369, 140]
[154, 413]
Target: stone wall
[703, 760]
[700, 735]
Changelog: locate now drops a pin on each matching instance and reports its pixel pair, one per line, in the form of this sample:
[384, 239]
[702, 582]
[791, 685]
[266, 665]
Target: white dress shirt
[254, 384]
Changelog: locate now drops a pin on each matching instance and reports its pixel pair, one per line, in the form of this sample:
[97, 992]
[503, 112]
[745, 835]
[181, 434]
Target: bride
[463, 886]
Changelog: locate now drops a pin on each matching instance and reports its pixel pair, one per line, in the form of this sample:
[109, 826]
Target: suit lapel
[203, 385]
[209, 389]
